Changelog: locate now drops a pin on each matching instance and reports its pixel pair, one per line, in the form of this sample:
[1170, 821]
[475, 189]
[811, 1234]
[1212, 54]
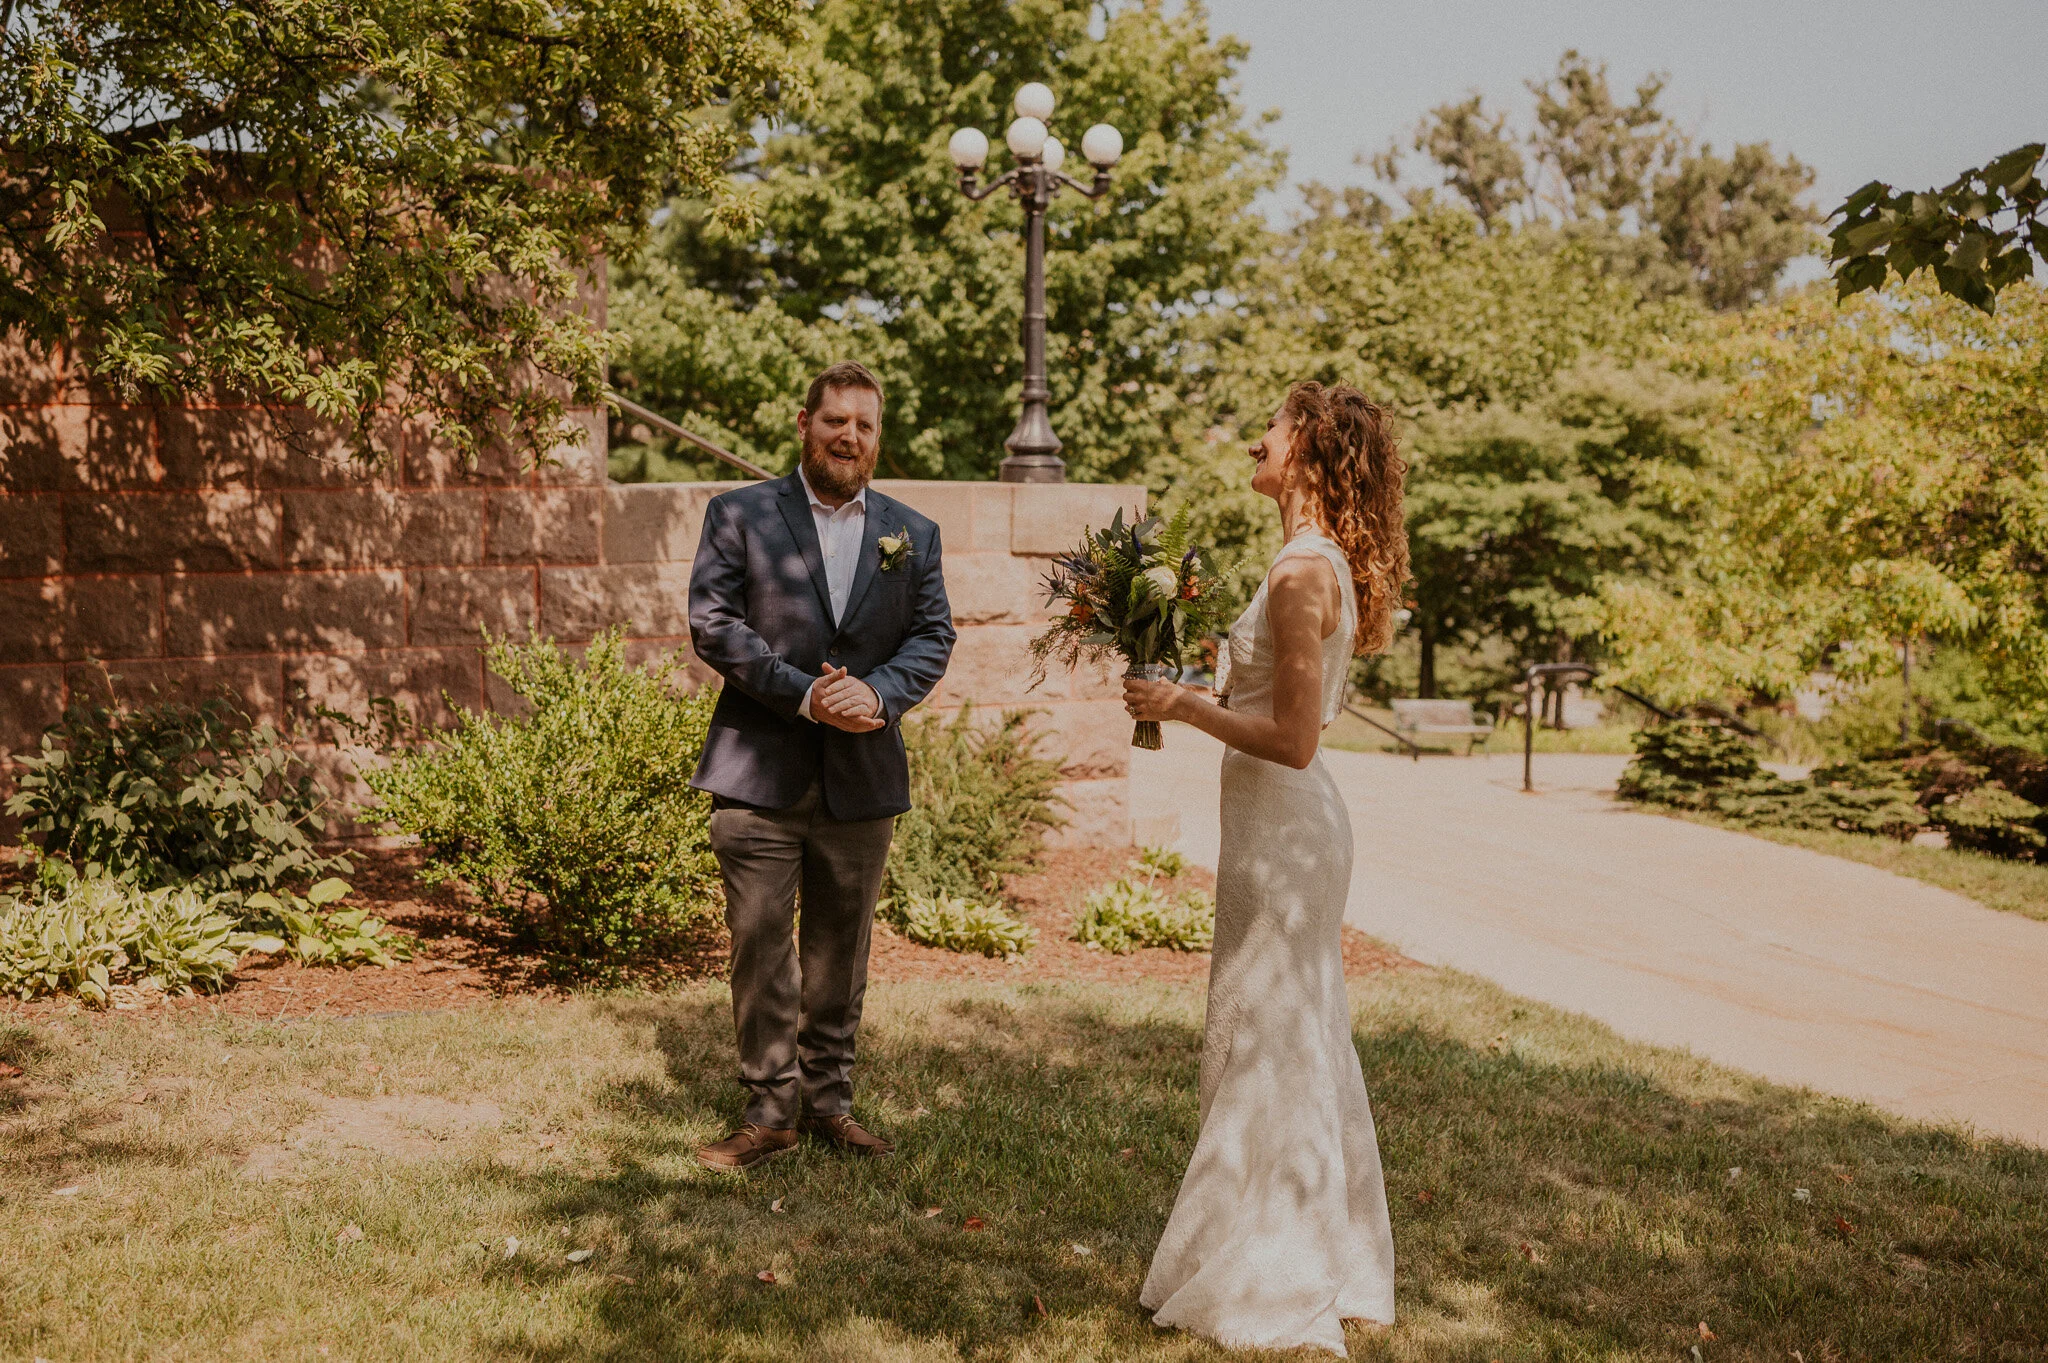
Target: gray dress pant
[797, 1004]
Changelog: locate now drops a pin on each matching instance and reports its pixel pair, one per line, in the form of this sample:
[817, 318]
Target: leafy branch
[1979, 235]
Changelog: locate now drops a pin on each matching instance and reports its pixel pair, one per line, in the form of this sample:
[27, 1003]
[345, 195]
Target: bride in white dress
[1280, 1232]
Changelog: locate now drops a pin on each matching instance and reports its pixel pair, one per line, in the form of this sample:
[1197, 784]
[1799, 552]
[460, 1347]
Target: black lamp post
[1036, 178]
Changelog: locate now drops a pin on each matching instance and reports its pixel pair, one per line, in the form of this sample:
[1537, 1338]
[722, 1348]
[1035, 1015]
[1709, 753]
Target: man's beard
[828, 476]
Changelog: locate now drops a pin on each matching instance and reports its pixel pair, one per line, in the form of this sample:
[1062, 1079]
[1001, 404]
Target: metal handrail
[656, 419]
[1414, 748]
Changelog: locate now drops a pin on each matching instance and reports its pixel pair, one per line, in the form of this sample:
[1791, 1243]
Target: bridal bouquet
[1139, 591]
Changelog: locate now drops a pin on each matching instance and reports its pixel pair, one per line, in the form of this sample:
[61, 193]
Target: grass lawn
[2012, 886]
[1557, 1193]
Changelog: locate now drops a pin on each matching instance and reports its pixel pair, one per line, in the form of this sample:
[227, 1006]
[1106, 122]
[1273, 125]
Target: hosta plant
[1127, 914]
[955, 924]
[347, 937]
[97, 932]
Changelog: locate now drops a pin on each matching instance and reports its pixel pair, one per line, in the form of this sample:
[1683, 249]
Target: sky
[1860, 90]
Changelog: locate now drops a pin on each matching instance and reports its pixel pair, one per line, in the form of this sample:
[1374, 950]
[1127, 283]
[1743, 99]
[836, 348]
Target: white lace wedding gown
[1280, 1231]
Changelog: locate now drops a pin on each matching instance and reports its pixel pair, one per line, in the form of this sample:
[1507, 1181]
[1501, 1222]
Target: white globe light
[1026, 138]
[1034, 101]
[1102, 145]
[969, 149]
[1054, 154]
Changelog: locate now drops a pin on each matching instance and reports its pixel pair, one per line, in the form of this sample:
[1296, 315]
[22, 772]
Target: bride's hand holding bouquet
[1141, 592]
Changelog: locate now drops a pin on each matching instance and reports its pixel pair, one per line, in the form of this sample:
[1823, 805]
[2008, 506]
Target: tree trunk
[1425, 680]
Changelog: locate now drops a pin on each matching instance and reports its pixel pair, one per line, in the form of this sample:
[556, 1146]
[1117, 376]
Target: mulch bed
[462, 957]
[1049, 899]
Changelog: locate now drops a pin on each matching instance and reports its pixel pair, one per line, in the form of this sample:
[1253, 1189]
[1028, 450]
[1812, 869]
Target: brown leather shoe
[842, 1132]
[747, 1147]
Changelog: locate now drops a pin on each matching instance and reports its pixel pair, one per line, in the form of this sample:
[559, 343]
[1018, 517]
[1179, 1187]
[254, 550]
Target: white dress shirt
[839, 540]
[839, 532]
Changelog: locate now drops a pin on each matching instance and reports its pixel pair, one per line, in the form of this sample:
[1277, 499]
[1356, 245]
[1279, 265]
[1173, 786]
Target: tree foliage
[340, 206]
[1880, 471]
[1619, 176]
[867, 249]
[1977, 237]
[1487, 343]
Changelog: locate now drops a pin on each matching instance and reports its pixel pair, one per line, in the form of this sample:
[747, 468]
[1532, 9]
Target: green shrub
[575, 825]
[1992, 819]
[1703, 766]
[172, 794]
[956, 924]
[97, 932]
[1696, 752]
[982, 801]
[1127, 914]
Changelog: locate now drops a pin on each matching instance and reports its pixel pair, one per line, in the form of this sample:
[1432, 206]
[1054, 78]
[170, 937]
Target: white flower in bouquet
[1164, 580]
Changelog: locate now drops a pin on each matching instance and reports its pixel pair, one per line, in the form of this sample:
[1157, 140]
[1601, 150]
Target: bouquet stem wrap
[1147, 734]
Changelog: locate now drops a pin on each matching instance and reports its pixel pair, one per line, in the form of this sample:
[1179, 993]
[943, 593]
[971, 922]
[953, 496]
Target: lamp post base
[1033, 468]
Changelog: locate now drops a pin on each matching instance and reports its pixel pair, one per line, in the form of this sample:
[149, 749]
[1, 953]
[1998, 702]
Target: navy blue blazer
[761, 617]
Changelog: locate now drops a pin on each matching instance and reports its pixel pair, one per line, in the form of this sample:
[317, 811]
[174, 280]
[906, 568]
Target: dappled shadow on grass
[1542, 1206]
[1009, 1106]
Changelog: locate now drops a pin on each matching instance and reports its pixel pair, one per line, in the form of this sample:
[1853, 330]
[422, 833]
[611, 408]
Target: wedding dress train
[1280, 1231]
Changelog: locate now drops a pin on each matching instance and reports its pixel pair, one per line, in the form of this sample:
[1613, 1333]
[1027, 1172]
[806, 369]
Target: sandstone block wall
[189, 551]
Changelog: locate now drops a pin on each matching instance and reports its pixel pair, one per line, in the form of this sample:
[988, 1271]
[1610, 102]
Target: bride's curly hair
[1344, 444]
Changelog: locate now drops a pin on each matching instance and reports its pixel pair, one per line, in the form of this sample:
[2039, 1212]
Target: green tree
[1879, 471]
[385, 204]
[867, 250]
[1517, 514]
[1445, 323]
[1620, 178]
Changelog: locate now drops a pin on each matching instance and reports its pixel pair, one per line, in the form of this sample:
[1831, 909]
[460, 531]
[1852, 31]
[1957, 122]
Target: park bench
[1414, 719]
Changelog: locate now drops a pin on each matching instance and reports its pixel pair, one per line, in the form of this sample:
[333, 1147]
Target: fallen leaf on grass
[1425, 1197]
[1708, 1335]
[1802, 1194]
[1735, 1173]
[8, 1071]
[349, 1234]
[776, 1206]
[371, 1067]
[511, 1245]
[1038, 1303]
[1081, 1250]
[1846, 1178]
[930, 1212]
[72, 1191]
[1531, 1253]
[545, 1143]
[1127, 1152]
[577, 1256]
[920, 1111]
[767, 1275]
[1845, 1226]
[971, 1223]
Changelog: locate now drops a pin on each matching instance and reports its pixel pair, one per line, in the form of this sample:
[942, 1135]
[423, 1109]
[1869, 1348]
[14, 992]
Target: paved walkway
[1801, 967]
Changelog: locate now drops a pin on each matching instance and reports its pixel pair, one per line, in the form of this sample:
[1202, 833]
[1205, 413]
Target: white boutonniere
[896, 550]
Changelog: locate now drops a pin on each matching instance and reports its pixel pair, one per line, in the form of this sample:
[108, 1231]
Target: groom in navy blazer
[822, 604]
